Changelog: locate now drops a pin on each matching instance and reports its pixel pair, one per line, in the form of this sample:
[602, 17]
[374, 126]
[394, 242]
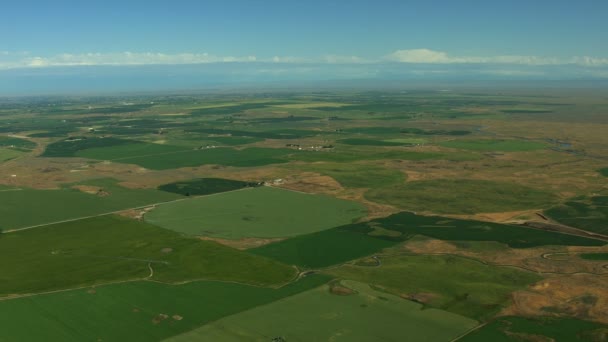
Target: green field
[128, 151]
[326, 248]
[511, 329]
[8, 154]
[371, 142]
[459, 285]
[341, 244]
[263, 212]
[319, 315]
[71, 146]
[461, 196]
[595, 256]
[467, 230]
[133, 311]
[350, 156]
[29, 207]
[488, 145]
[357, 175]
[16, 143]
[603, 171]
[111, 248]
[205, 186]
[253, 156]
[589, 214]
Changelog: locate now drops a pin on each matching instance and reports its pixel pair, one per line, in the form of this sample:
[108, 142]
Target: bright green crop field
[133, 311]
[319, 315]
[28, 207]
[262, 212]
[112, 248]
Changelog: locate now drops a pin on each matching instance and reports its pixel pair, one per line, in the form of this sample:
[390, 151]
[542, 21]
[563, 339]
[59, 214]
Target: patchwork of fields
[324, 216]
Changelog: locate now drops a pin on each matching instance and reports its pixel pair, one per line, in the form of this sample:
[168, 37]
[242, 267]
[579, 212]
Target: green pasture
[134, 311]
[262, 212]
[460, 285]
[461, 196]
[490, 145]
[28, 207]
[603, 171]
[589, 214]
[511, 329]
[111, 248]
[356, 175]
[8, 154]
[319, 315]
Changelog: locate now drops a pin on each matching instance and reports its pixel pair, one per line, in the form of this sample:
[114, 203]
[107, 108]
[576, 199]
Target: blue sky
[514, 37]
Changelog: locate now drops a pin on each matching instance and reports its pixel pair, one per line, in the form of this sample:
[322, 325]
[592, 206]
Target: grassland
[134, 311]
[538, 329]
[205, 186]
[488, 145]
[111, 248]
[28, 207]
[589, 214]
[459, 285]
[462, 196]
[364, 315]
[357, 175]
[603, 171]
[263, 212]
[8, 154]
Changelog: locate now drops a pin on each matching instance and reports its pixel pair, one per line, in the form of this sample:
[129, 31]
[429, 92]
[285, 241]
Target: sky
[546, 39]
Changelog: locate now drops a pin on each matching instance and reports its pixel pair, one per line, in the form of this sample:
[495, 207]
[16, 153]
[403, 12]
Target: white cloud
[122, 58]
[590, 61]
[426, 56]
[12, 60]
[420, 56]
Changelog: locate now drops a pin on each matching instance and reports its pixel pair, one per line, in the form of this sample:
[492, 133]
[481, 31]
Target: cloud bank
[9, 60]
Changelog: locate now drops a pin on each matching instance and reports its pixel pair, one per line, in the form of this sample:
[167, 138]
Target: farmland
[461, 196]
[462, 286]
[110, 248]
[69, 202]
[363, 315]
[306, 215]
[261, 212]
[135, 310]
